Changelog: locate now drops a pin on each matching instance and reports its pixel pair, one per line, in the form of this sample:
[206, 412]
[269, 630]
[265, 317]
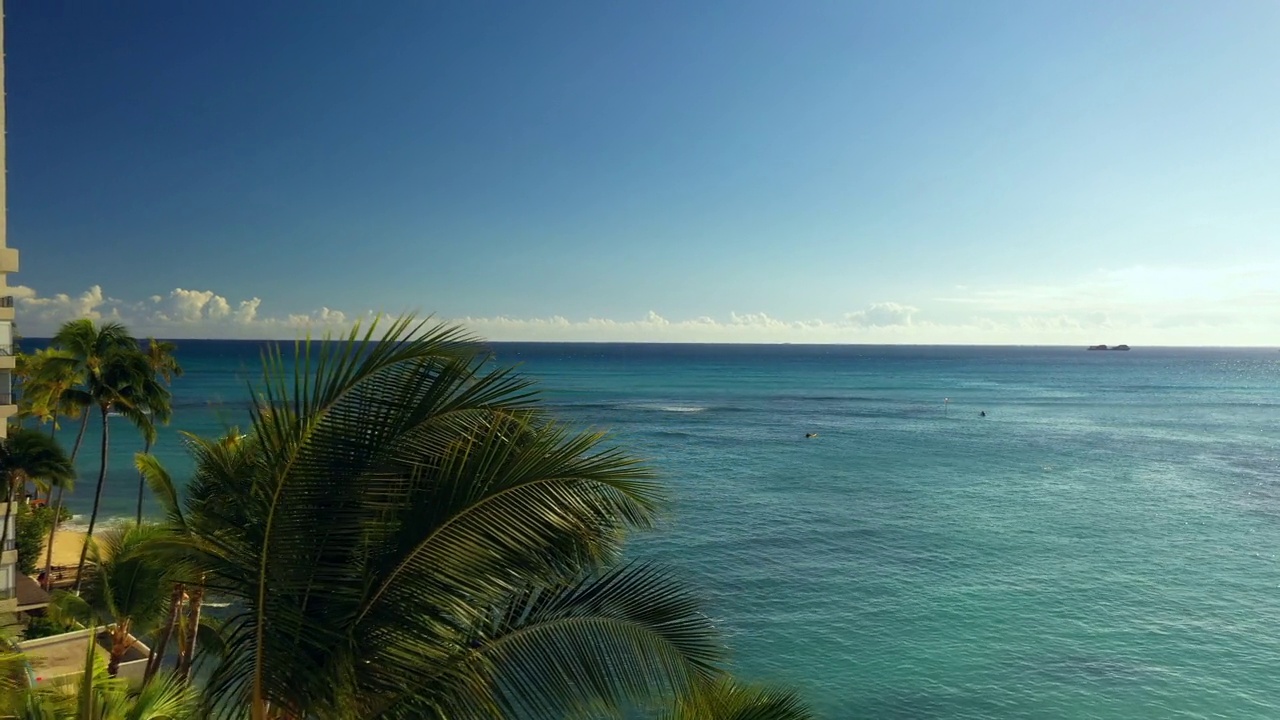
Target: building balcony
[8, 260]
[7, 311]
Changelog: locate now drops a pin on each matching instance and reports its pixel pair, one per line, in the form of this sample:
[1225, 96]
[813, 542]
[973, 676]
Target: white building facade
[8, 406]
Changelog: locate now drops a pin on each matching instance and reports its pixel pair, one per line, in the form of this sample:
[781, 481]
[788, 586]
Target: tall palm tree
[89, 354]
[409, 536]
[85, 348]
[126, 585]
[164, 364]
[123, 384]
[29, 456]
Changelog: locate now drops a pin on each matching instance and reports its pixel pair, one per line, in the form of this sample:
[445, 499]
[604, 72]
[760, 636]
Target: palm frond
[128, 580]
[162, 487]
[166, 697]
[725, 699]
[630, 637]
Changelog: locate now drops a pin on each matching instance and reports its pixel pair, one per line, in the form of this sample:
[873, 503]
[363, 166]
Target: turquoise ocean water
[1102, 545]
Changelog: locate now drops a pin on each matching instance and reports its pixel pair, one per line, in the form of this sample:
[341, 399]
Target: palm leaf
[725, 699]
[627, 637]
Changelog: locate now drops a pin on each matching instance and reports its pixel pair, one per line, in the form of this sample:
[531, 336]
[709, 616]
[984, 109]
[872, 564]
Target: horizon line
[730, 344]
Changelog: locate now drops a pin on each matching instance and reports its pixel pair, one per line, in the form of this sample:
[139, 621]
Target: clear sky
[897, 171]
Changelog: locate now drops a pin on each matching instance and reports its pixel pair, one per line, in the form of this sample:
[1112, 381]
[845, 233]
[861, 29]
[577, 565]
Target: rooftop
[62, 655]
[30, 594]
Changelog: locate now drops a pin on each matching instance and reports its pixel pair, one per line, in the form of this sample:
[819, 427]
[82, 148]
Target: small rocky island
[1104, 347]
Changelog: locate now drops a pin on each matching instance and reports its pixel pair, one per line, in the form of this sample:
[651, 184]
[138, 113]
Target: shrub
[32, 528]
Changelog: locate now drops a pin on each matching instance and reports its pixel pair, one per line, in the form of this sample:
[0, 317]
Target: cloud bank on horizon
[1143, 305]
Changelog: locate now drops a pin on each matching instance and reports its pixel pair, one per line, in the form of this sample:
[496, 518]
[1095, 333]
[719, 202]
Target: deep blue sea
[1103, 544]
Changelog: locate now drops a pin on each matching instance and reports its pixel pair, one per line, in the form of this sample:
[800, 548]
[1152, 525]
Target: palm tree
[85, 348]
[88, 354]
[126, 585]
[187, 627]
[725, 699]
[30, 456]
[160, 356]
[31, 401]
[407, 535]
[50, 389]
[121, 382]
[47, 379]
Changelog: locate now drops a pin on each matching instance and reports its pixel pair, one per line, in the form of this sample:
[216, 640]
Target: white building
[8, 408]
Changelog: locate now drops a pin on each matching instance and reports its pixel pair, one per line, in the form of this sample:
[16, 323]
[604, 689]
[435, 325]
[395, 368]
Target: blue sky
[732, 171]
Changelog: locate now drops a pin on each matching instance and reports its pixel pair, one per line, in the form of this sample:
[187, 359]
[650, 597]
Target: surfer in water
[811, 435]
[982, 414]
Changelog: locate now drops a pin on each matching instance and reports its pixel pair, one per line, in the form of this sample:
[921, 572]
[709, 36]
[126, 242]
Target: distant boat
[1120, 348]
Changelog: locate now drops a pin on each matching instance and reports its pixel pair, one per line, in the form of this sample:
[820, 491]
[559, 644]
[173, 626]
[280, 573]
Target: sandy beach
[66, 548]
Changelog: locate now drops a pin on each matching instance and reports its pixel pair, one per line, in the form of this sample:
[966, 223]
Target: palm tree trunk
[48, 553]
[97, 501]
[162, 642]
[193, 628]
[84, 423]
[119, 646]
[142, 482]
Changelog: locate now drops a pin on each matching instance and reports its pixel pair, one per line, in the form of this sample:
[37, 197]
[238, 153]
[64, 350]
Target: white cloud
[56, 308]
[884, 314]
[1138, 306]
[182, 313]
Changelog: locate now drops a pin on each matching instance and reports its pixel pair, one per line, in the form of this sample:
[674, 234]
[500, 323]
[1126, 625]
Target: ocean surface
[1103, 544]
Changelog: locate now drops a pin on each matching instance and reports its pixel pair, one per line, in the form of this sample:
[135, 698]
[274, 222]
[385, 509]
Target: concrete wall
[132, 669]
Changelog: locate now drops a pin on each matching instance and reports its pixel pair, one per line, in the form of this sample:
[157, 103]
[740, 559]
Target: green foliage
[410, 536]
[33, 526]
[126, 581]
[31, 457]
[729, 700]
[128, 584]
[45, 385]
[94, 696]
[40, 627]
[117, 377]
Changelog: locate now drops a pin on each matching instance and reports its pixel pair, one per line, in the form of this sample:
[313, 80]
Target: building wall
[8, 263]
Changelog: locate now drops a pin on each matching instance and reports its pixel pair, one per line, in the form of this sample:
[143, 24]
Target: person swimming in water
[982, 414]
[811, 435]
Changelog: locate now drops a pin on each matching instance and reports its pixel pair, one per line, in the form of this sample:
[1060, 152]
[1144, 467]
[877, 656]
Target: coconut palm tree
[84, 348]
[29, 456]
[102, 358]
[160, 356]
[120, 382]
[408, 535]
[126, 585]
